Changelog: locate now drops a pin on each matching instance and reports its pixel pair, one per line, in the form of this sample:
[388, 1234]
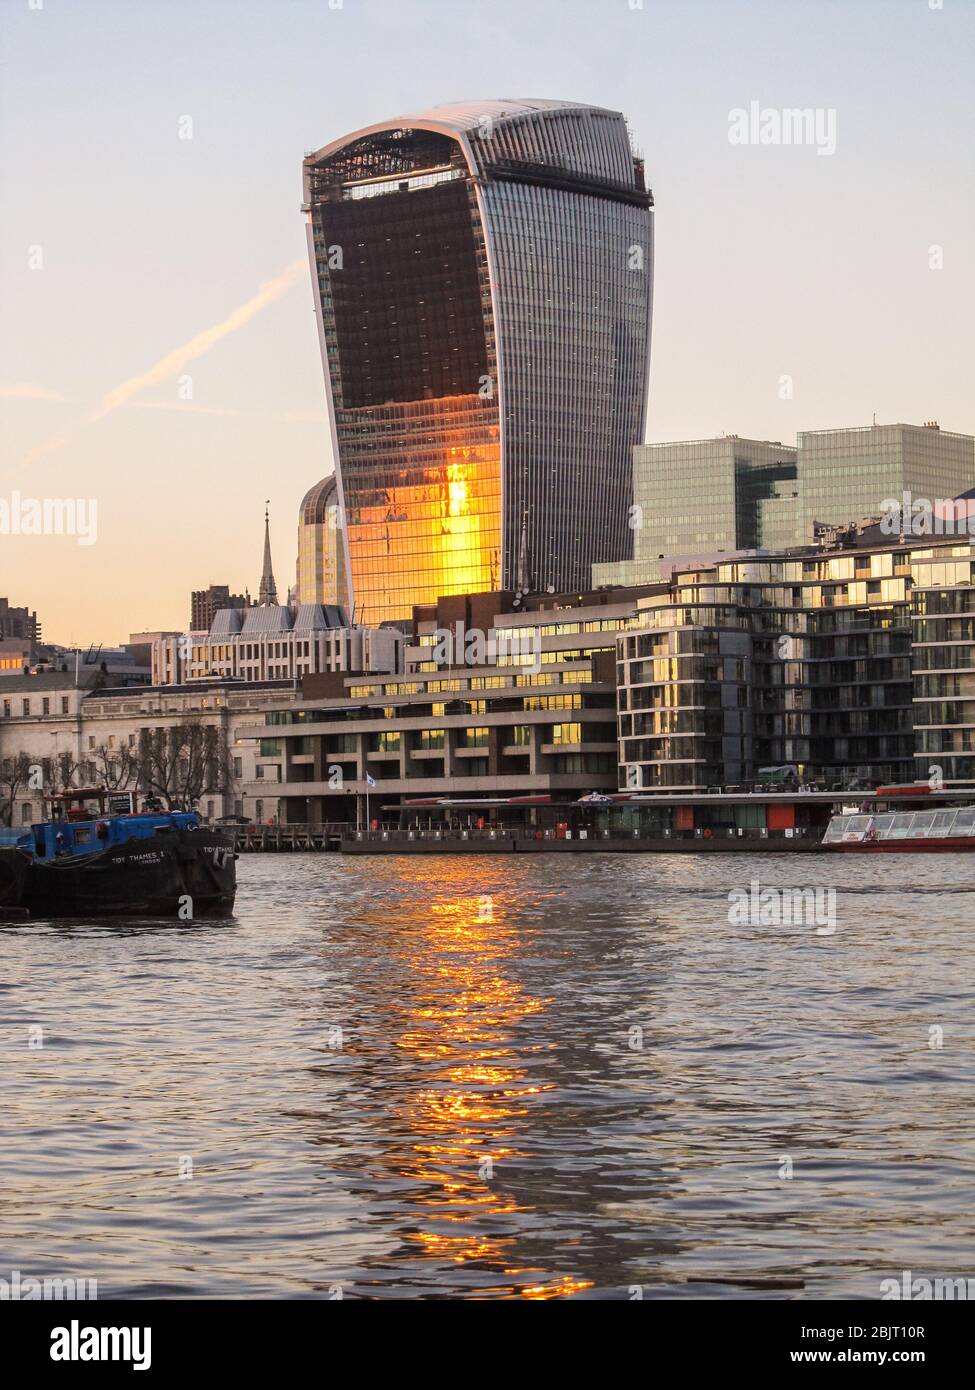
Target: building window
[26, 706]
[27, 813]
[64, 704]
[566, 733]
[46, 705]
[238, 768]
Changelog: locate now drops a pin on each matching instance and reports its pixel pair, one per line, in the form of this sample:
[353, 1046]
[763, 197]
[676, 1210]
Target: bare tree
[15, 773]
[59, 772]
[183, 762]
[114, 767]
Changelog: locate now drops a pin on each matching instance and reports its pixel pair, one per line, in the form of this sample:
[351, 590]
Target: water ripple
[528, 1077]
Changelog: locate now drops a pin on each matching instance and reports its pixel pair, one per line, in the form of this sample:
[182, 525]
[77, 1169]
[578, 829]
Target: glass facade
[484, 278]
[943, 615]
[705, 496]
[801, 661]
[321, 554]
[849, 474]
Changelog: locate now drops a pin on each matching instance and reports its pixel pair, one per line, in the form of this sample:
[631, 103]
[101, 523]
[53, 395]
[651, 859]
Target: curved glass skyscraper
[484, 278]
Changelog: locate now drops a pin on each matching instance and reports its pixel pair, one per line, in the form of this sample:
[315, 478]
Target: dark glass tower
[483, 279]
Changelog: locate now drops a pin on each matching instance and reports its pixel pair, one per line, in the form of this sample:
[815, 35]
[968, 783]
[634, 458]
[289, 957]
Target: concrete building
[274, 642]
[801, 660]
[206, 603]
[492, 702]
[15, 655]
[943, 661]
[20, 636]
[75, 734]
[483, 281]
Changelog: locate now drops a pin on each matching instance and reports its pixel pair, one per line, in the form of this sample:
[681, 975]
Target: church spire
[268, 592]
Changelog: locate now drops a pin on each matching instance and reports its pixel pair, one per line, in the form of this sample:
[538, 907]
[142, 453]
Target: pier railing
[529, 832]
[331, 835]
[287, 838]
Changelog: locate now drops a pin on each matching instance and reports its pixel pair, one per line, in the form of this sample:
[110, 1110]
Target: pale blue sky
[770, 261]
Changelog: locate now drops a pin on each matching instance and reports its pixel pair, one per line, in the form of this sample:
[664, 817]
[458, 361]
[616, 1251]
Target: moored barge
[85, 862]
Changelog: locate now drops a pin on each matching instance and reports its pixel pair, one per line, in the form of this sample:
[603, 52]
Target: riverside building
[72, 733]
[275, 642]
[829, 660]
[849, 664]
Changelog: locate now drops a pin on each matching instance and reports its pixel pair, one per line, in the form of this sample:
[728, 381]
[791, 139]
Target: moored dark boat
[153, 864]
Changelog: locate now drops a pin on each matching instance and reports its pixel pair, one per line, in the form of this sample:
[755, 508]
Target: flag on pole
[370, 780]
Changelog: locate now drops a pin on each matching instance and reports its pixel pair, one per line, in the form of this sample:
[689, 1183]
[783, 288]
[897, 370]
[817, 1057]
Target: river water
[524, 1076]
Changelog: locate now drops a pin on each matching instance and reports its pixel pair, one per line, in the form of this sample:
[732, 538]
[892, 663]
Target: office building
[850, 473]
[483, 277]
[704, 497]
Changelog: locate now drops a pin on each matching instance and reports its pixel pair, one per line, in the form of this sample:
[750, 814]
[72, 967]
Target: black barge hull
[183, 874]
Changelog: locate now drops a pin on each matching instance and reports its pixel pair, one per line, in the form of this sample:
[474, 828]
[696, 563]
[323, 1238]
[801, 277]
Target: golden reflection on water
[462, 1016]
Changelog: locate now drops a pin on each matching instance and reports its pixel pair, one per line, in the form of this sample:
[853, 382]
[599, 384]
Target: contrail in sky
[174, 361]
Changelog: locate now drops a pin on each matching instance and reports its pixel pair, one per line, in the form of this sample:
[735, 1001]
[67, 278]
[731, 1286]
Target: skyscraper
[483, 278]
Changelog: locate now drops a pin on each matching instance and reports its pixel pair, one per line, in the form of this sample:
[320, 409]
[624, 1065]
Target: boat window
[856, 827]
[923, 822]
[942, 823]
[901, 825]
[836, 827]
[82, 835]
[964, 821]
[882, 824]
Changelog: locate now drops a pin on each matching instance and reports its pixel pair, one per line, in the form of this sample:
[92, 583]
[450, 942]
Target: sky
[158, 350]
